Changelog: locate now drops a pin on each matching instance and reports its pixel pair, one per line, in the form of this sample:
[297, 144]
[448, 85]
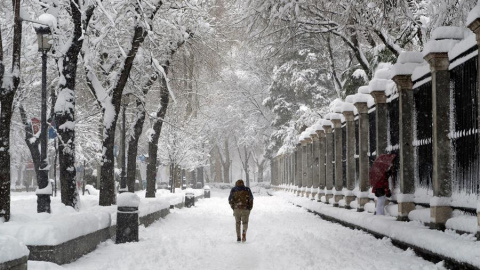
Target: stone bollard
[206, 192]
[189, 198]
[14, 254]
[127, 218]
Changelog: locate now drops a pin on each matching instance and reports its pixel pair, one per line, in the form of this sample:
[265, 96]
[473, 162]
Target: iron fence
[344, 154]
[372, 139]
[357, 171]
[393, 133]
[464, 136]
[422, 114]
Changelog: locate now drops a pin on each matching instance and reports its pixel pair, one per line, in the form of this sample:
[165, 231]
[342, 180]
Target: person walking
[241, 202]
[382, 192]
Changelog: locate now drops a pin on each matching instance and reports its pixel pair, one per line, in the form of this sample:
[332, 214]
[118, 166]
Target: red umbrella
[378, 171]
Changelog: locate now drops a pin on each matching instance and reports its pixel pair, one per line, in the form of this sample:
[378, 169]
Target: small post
[127, 218]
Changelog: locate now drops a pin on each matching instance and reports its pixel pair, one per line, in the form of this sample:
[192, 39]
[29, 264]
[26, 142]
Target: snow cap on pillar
[336, 116]
[381, 78]
[305, 136]
[407, 62]
[318, 126]
[311, 132]
[327, 122]
[443, 39]
[348, 106]
[363, 95]
[364, 89]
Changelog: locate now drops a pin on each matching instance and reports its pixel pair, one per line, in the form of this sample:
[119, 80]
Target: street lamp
[123, 176]
[44, 37]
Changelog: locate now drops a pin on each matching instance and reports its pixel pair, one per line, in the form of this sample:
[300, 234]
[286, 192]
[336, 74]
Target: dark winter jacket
[241, 197]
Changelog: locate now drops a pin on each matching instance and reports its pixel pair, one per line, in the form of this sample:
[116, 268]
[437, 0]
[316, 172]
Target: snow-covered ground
[280, 236]
[462, 248]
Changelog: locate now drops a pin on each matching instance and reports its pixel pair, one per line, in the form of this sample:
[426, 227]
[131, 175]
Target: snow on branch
[160, 69]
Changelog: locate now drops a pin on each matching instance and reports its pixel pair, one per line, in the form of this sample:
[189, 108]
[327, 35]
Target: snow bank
[55, 228]
[462, 222]
[11, 249]
[64, 223]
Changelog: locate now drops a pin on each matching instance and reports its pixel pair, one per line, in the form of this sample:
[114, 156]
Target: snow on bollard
[127, 217]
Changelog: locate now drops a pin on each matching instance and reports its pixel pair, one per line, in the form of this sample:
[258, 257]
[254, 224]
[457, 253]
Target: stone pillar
[440, 210]
[475, 27]
[362, 108]
[350, 143]
[309, 157]
[337, 124]
[407, 179]
[321, 163]
[315, 165]
[306, 167]
[381, 113]
[272, 171]
[298, 167]
[329, 152]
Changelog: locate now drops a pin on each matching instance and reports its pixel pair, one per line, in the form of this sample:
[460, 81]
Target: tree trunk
[199, 175]
[65, 114]
[107, 184]
[32, 144]
[245, 166]
[6, 110]
[5, 120]
[133, 146]
[153, 143]
[260, 168]
[226, 163]
[139, 121]
[107, 187]
[218, 166]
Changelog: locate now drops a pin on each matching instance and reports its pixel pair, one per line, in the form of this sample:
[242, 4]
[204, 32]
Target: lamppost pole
[44, 45]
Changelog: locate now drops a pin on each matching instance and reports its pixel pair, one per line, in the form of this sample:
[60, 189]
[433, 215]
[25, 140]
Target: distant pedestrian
[382, 192]
[241, 201]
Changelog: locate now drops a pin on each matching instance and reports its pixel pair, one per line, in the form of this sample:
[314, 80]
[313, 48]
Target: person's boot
[239, 239]
[244, 236]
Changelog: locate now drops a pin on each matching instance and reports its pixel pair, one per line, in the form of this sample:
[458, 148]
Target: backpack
[241, 199]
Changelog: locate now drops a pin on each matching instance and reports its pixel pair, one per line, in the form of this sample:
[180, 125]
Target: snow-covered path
[280, 236]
